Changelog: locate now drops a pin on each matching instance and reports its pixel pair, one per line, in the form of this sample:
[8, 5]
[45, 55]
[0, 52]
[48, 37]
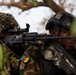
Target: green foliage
[34, 2]
[73, 28]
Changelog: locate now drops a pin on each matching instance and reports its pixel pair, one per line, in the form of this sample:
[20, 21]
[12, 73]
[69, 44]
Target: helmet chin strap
[58, 32]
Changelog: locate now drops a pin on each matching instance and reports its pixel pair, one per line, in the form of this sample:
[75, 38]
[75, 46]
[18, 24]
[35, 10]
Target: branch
[56, 8]
[21, 6]
[48, 3]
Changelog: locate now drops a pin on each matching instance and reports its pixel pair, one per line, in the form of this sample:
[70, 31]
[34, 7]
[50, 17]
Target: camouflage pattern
[32, 67]
[10, 61]
[7, 20]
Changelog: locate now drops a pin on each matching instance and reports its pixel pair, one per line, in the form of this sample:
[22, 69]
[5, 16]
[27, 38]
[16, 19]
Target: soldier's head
[60, 25]
[7, 21]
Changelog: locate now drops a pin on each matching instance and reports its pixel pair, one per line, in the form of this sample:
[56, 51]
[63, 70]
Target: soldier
[43, 57]
[59, 25]
[9, 59]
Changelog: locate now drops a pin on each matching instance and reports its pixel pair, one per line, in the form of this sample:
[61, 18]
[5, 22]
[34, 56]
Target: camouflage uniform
[32, 66]
[9, 61]
[8, 58]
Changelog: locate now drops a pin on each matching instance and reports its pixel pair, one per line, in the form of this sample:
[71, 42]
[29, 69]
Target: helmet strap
[59, 31]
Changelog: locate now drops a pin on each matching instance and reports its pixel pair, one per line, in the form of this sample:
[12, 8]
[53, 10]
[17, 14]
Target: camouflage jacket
[32, 66]
[8, 60]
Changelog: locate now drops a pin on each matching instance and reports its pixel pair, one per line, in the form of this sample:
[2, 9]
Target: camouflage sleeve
[10, 62]
[32, 67]
[33, 52]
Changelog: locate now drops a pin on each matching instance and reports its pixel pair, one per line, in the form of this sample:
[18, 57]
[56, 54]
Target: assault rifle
[32, 38]
[35, 38]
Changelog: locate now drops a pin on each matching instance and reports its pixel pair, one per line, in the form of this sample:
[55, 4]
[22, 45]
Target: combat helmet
[7, 21]
[62, 19]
